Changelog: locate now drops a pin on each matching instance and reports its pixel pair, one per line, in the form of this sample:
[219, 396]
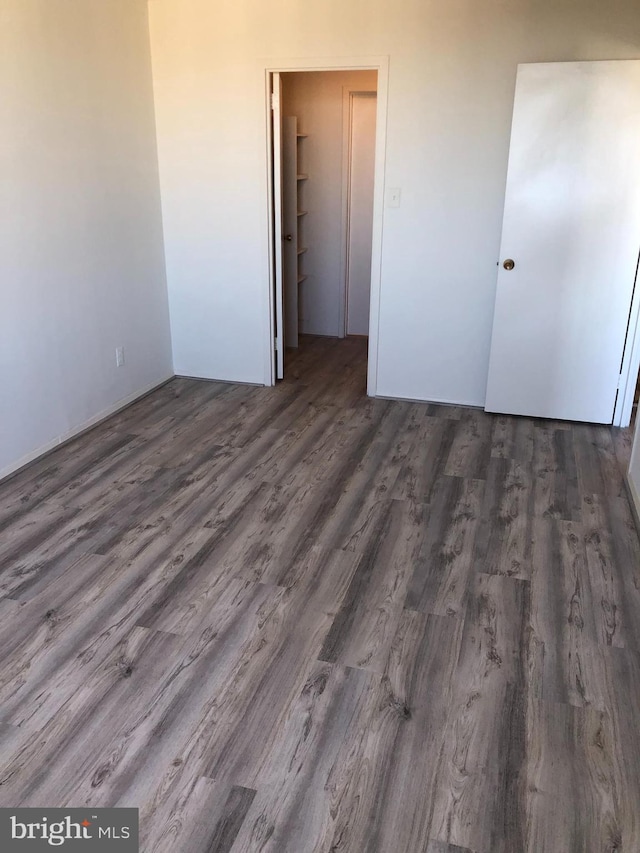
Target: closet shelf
[294, 173]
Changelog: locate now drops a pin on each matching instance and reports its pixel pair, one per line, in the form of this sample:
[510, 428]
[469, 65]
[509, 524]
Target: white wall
[634, 469]
[81, 251]
[452, 74]
[316, 98]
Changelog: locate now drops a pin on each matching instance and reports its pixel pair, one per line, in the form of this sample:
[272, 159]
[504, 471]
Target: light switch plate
[393, 197]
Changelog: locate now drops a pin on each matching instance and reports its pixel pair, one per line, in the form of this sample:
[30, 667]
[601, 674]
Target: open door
[289, 160]
[362, 155]
[285, 227]
[276, 118]
[570, 241]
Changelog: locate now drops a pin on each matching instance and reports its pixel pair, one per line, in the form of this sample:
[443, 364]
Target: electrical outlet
[119, 356]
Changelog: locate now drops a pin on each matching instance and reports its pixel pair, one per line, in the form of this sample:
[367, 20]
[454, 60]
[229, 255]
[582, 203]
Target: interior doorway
[326, 186]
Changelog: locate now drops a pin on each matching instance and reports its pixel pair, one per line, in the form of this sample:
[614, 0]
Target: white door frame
[347, 121]
[630, 363]
[356, 63]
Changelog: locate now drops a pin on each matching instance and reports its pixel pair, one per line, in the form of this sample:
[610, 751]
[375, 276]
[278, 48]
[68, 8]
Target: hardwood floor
[298, 619]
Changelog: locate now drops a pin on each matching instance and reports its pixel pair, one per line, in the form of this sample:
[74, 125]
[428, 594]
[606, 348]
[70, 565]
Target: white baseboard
[222, 381]
[432, 402]
[80, 428]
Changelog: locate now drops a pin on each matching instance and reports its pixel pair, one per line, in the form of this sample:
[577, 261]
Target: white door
[361, 182]
[572, 229]
[276, 100]
[290, 228]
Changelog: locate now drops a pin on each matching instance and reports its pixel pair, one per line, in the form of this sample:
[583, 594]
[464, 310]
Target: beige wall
[634, 470]
[316, 98]
[81, 250]
[452, 73]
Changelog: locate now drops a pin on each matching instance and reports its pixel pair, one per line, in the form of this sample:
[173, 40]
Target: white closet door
[361, 181]
[572, 229]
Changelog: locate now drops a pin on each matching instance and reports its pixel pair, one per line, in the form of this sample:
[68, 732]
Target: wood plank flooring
[299, 620]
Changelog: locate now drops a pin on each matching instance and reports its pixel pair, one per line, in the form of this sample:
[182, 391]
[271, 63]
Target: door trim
[630, 362]
[276, 126]
[347, 126]
[358, 63]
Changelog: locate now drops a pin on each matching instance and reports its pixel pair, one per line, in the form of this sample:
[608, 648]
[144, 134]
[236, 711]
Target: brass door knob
[509, 264]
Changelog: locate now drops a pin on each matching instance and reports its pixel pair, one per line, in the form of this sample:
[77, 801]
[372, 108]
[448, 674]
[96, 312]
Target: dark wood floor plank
[424, 466]
[32, 559]
[626, 544]
[228, 823]
[555, 473]
[471, 448]
[183, 405]
[292, 446]
[369, 479]
[346, 505]
[327, 720]
[208, 497]
[71, 738]
[443, 410]
[151, 683]
[387, 803]
[513, 438]
[34, 635]
[124, 592]
[572, 802]
[622, 445]
[470, 583]
[365, 624]
[48, 476]
[565, 617]
[441, 847]
[174, 446]
[200, 580]
[623, 676]
[323, 450]
[344, 377]
[598, 469]
[32, 530]
[504, 538]
[611, 559]
[249, 417]
[444, 567]
[160, 762]
[226, 732]
[251, 711]
[479, 802]
[206, 820]
[63, 537]
[272, 535]
[566, 475]
[8, 609]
